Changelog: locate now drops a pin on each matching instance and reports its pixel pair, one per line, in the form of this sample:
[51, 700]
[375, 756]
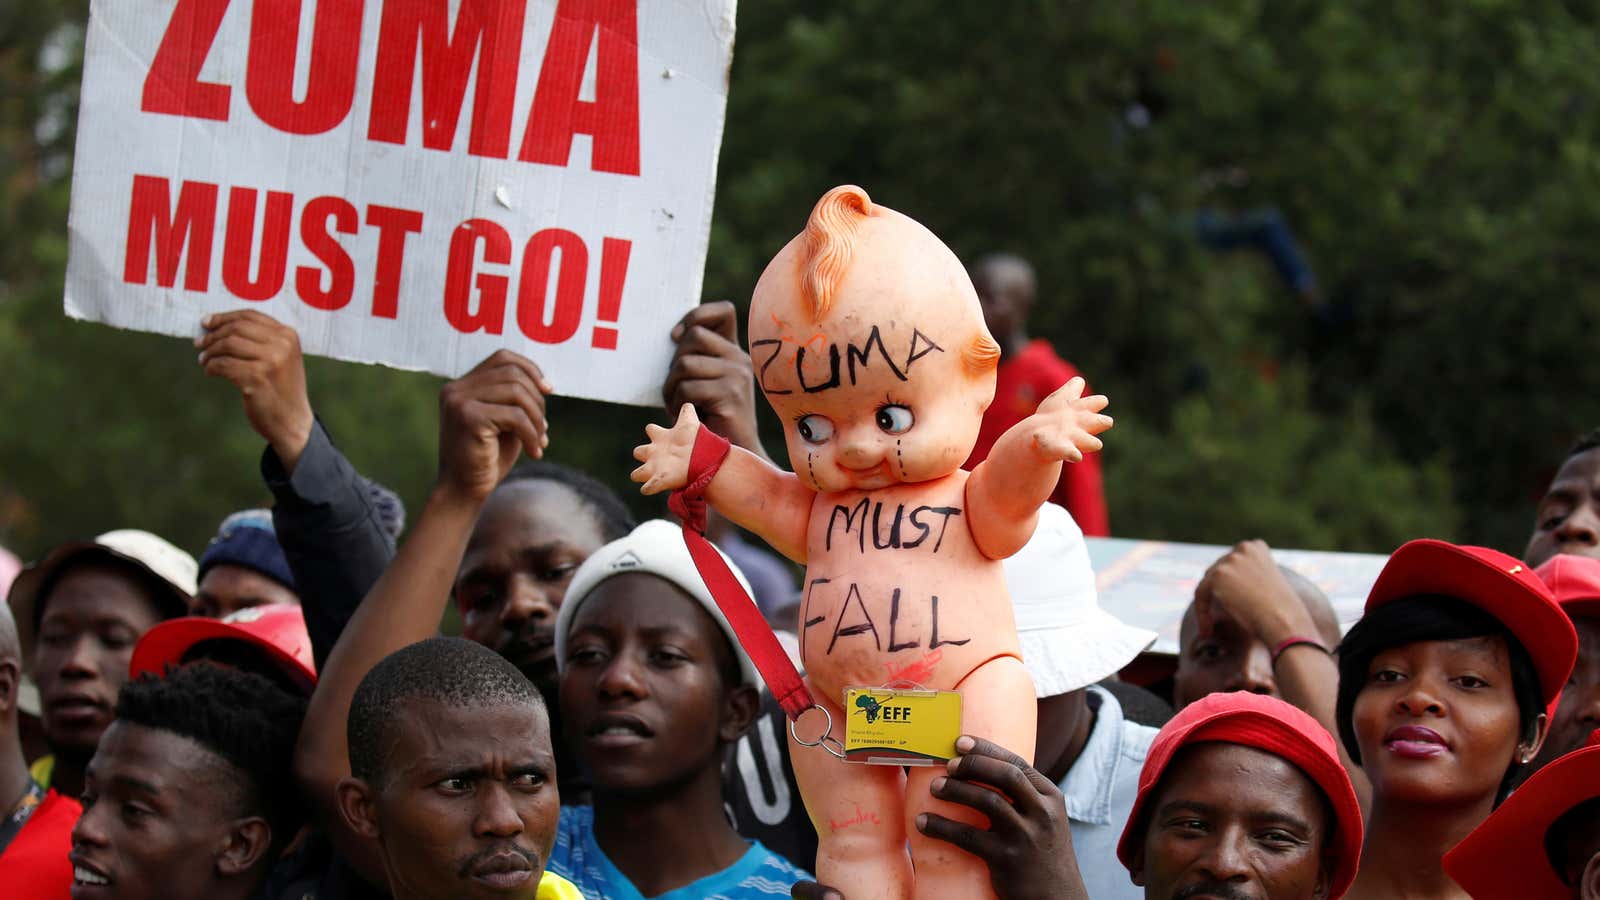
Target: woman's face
[1438, 720]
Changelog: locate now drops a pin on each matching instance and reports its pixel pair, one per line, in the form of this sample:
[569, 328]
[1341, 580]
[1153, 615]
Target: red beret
[1499, 585]
[1575, 582]
[1505, 855]
[1266, 724]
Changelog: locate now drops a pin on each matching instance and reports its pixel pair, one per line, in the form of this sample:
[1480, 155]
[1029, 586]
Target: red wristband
[1295, 642]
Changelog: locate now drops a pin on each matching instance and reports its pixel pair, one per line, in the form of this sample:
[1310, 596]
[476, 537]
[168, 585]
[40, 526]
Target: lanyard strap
[11, 826]
[689, 504]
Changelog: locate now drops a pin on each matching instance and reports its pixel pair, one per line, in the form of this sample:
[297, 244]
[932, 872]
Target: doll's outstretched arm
[750, 491]
[1006, 490]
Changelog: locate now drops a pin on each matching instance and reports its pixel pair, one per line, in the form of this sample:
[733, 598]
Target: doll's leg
[996, 703]
[857, 811]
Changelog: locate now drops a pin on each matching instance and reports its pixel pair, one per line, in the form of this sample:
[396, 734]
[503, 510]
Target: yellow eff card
[901, 728]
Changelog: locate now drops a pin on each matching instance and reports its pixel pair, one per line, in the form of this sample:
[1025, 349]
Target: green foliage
[1256, 462]
[1439, 162]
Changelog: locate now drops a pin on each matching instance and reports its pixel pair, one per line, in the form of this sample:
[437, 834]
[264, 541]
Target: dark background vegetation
[1439, 162]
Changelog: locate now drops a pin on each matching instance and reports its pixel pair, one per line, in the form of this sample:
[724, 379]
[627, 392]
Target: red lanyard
[782, 678]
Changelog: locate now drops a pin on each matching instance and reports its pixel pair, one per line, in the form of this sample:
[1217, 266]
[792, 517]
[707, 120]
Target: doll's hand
[1065, 425]
[666, 457]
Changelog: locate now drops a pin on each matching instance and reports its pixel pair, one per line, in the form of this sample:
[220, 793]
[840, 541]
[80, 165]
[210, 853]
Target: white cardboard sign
[411, 182]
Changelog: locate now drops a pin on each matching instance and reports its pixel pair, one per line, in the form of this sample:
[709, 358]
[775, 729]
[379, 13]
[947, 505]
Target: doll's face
[877, 392]
[869, 404]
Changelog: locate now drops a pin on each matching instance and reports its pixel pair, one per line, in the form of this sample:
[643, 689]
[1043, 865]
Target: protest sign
[1150, 583]
[411, 182]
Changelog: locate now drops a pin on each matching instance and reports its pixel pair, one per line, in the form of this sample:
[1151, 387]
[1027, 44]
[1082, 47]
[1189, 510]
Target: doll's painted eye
[895, 419]
[815, 429]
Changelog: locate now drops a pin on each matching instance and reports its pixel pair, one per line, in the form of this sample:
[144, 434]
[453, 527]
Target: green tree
[1440, 164]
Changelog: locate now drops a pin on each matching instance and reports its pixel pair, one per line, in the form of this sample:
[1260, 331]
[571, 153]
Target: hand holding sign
[711, 370]
[261, 357]
[486, 419]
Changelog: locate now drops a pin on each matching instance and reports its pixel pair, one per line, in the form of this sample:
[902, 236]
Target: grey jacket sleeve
[330, 533]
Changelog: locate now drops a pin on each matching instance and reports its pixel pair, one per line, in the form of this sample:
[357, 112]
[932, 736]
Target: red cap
[1499, 585]
[1505, 855]
[279, 630]
[1267, 724]
[1575, 582]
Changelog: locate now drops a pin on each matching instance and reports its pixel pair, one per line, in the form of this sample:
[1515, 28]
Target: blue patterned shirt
[760, 873]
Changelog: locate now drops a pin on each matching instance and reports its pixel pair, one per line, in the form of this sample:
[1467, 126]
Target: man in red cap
[1543, 843]
[270, 641]
[1575, 582]
[1243, 797]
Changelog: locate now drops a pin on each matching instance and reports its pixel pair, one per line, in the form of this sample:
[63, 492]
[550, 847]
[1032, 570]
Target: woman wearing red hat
[1544, 842]
[1445, 690]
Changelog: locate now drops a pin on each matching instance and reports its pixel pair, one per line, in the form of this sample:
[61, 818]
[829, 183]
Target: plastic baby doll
[869, 342]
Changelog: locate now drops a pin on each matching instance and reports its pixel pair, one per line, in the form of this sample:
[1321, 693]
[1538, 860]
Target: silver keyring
[827, 741]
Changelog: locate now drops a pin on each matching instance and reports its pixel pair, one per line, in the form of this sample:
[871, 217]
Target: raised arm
[1006, 489]
[487, 418]
[1248, 584]
[753, 493]
[322, 512]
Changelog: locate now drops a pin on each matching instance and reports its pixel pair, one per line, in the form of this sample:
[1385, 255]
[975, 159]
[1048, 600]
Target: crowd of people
[281, 719]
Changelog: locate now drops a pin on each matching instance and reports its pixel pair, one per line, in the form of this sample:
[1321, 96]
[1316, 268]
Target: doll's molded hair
[982, 354]
[830, 242]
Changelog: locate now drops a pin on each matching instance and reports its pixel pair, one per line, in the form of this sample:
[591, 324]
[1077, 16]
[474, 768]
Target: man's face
[531, 538]
[1231, 658]
[1234, 823]
[469, 805]
[92, 618]
[1578, 715]
[1006, 292]
[158, 809]
[642, 693]
[225, 589]
[1568, 517]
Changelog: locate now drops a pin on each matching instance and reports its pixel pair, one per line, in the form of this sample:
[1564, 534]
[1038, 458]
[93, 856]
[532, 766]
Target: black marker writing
[861, 621]
[890, 536]
[841, 630]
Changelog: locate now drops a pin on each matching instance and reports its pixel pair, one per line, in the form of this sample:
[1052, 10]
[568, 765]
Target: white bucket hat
[173, 572]
[1068, 641]
[655, 547]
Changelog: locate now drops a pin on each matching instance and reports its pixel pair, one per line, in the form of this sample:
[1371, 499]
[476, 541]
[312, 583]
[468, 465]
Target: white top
[1100, 789]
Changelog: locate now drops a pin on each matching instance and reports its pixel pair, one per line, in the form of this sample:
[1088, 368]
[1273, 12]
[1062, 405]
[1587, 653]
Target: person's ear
[10, 683]
[1324, 879]
[1537, 731]
[357, 805]
[1589, 881]
[248, 841]
[740, 705]
[1136, 867]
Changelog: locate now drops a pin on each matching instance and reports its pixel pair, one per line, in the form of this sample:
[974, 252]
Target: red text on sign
[476, 300]
[486, 32]
[185, 232]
